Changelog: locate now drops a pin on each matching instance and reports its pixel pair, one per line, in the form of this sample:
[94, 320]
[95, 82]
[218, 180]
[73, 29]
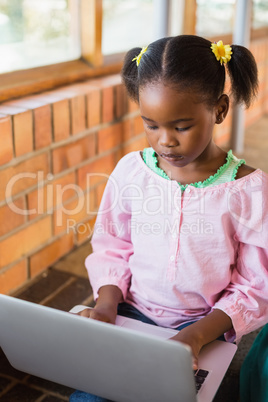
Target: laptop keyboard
[200, 376]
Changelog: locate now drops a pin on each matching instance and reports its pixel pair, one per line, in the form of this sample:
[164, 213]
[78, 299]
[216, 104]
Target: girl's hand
[100, 313]
[202, 332]
[188, 336]
[106, 306]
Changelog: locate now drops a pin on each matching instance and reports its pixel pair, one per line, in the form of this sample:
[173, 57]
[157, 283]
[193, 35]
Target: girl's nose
[168, 139]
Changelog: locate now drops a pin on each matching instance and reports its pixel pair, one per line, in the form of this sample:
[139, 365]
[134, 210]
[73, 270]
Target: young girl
[181, 234]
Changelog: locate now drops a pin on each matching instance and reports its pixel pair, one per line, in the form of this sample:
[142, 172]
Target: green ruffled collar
[150, 158]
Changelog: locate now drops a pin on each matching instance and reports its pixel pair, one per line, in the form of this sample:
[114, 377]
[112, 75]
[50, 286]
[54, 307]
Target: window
[214, 17]
[260, 14]
[46, 43]
[36, 33]
[131, 23]
[126, 24]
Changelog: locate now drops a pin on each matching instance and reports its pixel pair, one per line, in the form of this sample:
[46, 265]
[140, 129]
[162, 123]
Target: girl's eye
[152, 127]
[183, 128]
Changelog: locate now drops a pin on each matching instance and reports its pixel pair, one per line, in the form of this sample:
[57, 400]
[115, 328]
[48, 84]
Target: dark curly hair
[188, 63]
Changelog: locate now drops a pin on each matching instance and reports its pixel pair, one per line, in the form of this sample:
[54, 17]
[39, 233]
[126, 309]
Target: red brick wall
[50, 144]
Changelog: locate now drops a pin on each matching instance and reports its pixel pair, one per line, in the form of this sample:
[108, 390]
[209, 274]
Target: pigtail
[148, 68]
[243, 73]
[129, 74]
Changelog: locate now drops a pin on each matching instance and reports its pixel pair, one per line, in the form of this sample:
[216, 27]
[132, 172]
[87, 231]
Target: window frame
[92, 63]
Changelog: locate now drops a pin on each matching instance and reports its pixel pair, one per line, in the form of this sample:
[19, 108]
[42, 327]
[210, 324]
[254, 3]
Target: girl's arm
[108, 264]
[106, 306]
[205, 330]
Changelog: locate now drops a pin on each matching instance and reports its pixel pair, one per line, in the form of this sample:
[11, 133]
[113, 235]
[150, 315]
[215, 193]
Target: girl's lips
[171, 156]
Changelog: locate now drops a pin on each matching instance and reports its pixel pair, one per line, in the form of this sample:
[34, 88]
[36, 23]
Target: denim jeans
[79, 396]
[125, 310]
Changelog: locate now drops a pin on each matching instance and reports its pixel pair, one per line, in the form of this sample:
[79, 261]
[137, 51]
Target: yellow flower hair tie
[222, 52]
[138, 58]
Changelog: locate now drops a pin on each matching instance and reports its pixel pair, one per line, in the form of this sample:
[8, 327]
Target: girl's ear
[222, 108]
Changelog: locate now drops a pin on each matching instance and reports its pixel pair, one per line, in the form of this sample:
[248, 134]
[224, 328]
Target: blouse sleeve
[111, 240]
[245, 299]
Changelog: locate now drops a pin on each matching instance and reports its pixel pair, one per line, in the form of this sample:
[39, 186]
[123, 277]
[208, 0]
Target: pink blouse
[177, 255]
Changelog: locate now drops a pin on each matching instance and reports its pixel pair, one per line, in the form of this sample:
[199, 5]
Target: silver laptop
[127, 362]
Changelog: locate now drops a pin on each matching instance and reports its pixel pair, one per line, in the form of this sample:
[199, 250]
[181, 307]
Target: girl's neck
[206, 165]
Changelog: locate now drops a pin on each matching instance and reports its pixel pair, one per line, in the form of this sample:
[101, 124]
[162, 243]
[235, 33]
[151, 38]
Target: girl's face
[178, 126]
